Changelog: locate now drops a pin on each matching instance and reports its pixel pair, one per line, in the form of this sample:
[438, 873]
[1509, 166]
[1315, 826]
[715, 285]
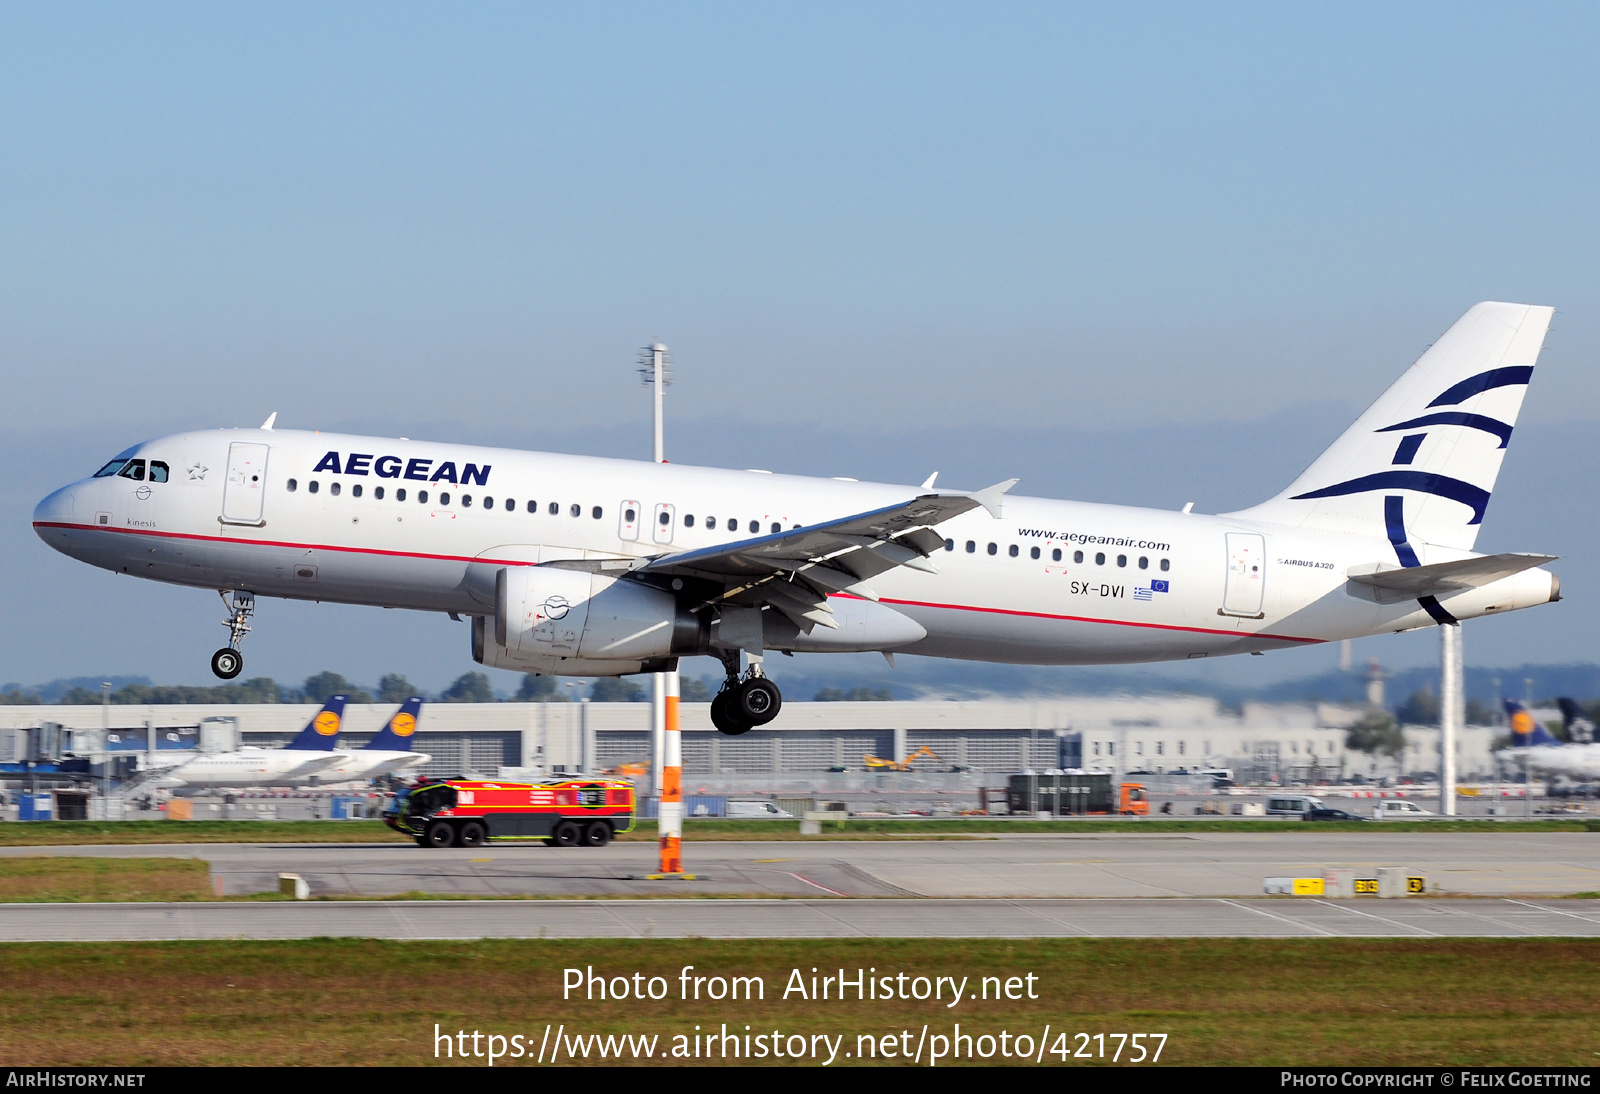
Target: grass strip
[361, 1002]
[57, 880]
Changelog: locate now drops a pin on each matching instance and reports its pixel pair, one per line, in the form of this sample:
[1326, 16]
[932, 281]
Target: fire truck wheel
[472, 835]
[566, 834]
[597, 834]
[441, 834]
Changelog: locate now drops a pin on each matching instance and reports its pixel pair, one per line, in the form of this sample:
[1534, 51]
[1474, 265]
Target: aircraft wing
[316, 764]
[1443, 578]
[794, 571]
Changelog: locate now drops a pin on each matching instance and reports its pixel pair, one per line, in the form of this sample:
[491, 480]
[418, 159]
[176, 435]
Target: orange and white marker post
[670, 810]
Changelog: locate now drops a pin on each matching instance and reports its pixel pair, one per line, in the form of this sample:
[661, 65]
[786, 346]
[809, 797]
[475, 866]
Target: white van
[762, 810]
[1399, 810]
[1292, 805]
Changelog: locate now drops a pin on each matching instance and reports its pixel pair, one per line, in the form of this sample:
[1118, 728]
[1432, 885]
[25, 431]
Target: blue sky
[852, 222]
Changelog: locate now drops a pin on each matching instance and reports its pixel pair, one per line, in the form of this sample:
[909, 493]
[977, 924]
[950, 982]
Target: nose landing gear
[744, 703]
[228, 662]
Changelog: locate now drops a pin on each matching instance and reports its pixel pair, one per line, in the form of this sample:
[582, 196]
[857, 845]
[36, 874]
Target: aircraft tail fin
[1580, 727]
[323, 729]
[1420, 464]
[1525, 728]
[395, 736]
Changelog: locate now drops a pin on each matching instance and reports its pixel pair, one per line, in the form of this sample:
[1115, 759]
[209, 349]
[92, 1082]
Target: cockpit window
[158, 471]
[110, 469]
[133, 469]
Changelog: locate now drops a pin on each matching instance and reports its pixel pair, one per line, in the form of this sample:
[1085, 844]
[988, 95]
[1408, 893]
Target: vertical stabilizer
[1580, 727]
[1418, 467]
[1525, 728]
[323, 729]
[395, 736]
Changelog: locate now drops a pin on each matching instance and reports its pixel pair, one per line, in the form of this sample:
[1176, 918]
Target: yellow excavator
[878, 763]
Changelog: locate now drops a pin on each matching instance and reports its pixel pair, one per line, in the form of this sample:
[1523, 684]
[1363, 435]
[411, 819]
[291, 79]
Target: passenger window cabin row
[510, 505]
[1056, 554]
[444, 498]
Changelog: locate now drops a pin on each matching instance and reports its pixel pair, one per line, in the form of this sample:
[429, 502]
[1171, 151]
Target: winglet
[928, 484]
[990, 498]
[270, 419]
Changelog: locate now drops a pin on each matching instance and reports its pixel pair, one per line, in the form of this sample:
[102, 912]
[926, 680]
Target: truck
[567, 811]
[1075, 793]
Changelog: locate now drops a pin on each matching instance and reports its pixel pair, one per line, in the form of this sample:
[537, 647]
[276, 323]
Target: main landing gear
[744, 703]
[228, 662]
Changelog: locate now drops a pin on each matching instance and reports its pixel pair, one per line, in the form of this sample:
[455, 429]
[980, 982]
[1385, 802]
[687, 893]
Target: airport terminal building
[1258, 743]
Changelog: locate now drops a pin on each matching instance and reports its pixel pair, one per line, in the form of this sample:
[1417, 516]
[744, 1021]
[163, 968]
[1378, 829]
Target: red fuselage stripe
[513, 562]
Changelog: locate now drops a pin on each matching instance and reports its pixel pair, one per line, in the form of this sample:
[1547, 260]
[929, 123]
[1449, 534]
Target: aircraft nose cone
[58, 507]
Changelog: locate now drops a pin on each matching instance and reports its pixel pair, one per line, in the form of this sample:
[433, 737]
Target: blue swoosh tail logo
[1456, 417]
[1484, 381]
[1423, 482]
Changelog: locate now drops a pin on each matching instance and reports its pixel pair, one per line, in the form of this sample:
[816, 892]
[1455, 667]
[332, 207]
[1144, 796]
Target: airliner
[1536, 748]
[582, 566]
[309, 754]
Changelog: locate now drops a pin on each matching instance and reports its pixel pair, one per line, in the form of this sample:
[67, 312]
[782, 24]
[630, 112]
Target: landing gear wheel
[227, 663]
[756, 701]
[441, 834]
[566, 834]
[472, 835]
[597, 834]
[722, 716]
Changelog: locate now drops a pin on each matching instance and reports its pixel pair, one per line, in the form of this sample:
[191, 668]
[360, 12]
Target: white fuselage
[1578, 761]
[1050, 582]
[250, 767]
[367, 764]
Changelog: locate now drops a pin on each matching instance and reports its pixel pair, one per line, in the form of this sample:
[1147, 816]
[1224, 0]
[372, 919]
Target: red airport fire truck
[564, 812]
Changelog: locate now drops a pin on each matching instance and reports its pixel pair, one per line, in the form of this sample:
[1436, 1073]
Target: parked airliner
[309, 754]
[580, 566]
[1534, 747]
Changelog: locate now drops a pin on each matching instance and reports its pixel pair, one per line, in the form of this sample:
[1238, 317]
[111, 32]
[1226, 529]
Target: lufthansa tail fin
[1418, 467]
[1580, 727]
[1525, 728]
[323, 729]
[395, 736]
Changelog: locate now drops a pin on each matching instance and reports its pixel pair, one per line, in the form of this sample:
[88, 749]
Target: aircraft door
[245, 485]
[629, 527]
[666, 518]
[1247, 574]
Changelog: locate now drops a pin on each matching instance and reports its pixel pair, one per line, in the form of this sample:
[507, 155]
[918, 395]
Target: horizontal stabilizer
[1442, 578]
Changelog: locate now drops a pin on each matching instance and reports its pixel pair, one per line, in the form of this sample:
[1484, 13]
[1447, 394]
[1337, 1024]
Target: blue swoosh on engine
[1443, 486]
[1456, 417]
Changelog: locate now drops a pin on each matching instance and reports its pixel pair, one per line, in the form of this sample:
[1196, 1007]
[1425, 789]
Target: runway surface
[827, 918]
[1009, 886]
[1108, 865]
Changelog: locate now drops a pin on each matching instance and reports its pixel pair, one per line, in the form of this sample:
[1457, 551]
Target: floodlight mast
[666, 752]
[655, 368]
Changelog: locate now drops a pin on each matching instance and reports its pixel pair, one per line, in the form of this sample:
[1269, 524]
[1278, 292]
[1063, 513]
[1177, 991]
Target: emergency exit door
[666, 517]
[245, 485]
[1247, 574]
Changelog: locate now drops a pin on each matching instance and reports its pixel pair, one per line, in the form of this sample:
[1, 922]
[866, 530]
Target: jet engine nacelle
[563, 622]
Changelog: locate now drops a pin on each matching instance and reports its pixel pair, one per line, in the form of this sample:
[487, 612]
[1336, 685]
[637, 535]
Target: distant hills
[836, 677]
